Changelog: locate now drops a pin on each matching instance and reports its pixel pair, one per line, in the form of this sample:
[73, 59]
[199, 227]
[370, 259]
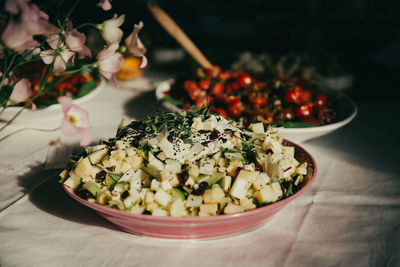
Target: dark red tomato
[243, 79]
[235, 108]
[203, 101]
[305, 96]
[225, 75]
[294, 94]
[259, 85]
[217, 89]
[304, 110]
[231, 98]
[204, 84]
[320, 100]
[222, 112]
[258, 99]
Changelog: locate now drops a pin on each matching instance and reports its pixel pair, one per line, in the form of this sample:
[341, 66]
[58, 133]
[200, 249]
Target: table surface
[350, 216]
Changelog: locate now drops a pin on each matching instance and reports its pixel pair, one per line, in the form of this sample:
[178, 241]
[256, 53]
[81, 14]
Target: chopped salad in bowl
[188, 164]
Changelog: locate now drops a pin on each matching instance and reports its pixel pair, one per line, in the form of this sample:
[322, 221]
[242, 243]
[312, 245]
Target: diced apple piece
[190, 182]
[234, 156]
[136, 160]
[232, 208]
[261, 181]
[159, 212]
[257, 128]
[214, 195]
[194, 170]
[194, 200]
[137, 209]
[151, 206]
[73, 180]
[162, 197]
[155, 185]
[83, 167]
[127, 176]
[197, 124]
[155, 163]
[266, 195]
[118, 155]
[92, 187]
[234, 164]
[161, 156]
[165, 185]
[177, 208]
[208, 210]
[226, 183]
[194, 151]
[120, 144]
[247, 204]
[103, 197]
[274, 145]
[242, 183]
[276, 187]
[134, 196]
[149, 198]
[206, 166]
[63, 175]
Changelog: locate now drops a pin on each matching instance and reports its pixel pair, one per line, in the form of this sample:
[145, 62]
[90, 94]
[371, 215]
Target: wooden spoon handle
[175, 31]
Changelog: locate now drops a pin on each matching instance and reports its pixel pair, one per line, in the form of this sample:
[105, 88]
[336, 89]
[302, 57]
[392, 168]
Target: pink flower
[75, 121]
[110, 30]
[110, 62]
[18, 35]
[74, 44]
[22, 92]
[135, 45]
[104, 4]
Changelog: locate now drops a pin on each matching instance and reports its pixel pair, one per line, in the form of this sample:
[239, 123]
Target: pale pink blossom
[18, 35]
[65, 53]
[75, 121]
[110, 30]
[105, 5]
[110, 62]
[135, 45]
[62, 59]
[22, 92]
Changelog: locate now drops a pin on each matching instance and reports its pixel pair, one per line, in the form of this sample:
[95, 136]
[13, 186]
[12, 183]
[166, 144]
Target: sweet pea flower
[104, 4]
[75, 121]
[110, 30]
[65, 53]
[22, 92]
[110, 62]
[135, 45]
[18, 35]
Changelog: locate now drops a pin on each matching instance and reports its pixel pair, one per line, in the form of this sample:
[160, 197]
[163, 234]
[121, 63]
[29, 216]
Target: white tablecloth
[350, 216]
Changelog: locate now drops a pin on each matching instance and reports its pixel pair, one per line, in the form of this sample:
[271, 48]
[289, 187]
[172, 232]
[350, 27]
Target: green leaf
[5, 93]
[86, 89]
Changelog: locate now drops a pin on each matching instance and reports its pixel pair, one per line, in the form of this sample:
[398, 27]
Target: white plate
[293, 134]
[29, 117]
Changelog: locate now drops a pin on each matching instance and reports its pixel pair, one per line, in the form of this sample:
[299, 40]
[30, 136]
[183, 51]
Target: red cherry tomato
[204, 84]
[232, 87]
[235, 108]
[217, 89]
[193, 90]
[305, 96]
[187, 106]
[213, 72]
[293, 95]
[320, 100]
[243, 79]
[259, 85]
[304, 110]
[258, 99]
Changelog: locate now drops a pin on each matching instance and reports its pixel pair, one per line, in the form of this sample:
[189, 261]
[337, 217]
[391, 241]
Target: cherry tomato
[258, 99]
[259, 85]
[225, 75]
[320, 100]
[187, 106]
[293, 95]
[232, 87]
[217, 89]
[204, 84]
[243, 79]
[193, 90]
[235, 108]
[231, 98]
[304, 110]
[222, 112]
[305, 96]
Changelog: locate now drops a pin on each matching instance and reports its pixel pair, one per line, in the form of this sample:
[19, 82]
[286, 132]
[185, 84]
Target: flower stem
[25, 129]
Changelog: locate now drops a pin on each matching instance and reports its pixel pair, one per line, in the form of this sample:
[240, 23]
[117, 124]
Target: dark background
[364, 36]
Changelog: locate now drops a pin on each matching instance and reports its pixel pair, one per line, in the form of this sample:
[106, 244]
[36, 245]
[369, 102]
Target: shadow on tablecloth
[142, 106]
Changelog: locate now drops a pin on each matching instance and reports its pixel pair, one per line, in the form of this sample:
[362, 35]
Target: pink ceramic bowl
[199, 227]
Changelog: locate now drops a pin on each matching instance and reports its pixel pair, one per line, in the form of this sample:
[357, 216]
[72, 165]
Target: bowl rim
[165, 86]
[218, 218]
[57, 106]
